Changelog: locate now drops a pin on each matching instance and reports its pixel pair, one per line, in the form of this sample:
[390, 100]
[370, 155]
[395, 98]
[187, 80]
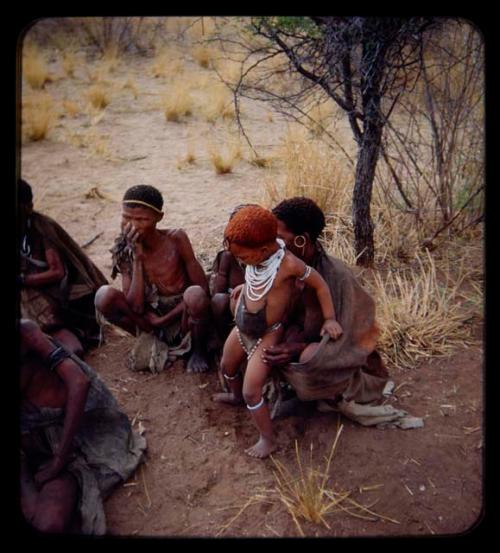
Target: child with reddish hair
[270, 274]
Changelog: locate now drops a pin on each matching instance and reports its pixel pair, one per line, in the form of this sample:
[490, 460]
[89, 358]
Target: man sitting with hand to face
[164, 288]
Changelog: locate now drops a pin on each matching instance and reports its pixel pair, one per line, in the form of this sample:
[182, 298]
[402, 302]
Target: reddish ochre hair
[252, 226]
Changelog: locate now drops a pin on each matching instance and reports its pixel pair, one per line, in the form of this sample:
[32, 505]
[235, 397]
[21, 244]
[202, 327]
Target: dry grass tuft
[421, 315]
[307, 496]
[35, 69]
[131, 85]
[38, 116]
[167, 63]
[178, 102]
[69, 64]
[71, 108]
[319, 117]
[203, 55]
[218, 103]
[189, 158]
[311, 169]
[224, 159]
[98, 96]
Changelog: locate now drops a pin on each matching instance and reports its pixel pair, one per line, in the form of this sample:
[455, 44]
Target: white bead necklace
[260, 278]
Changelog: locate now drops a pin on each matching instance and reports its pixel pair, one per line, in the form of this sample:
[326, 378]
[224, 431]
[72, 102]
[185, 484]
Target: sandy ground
[197, 477]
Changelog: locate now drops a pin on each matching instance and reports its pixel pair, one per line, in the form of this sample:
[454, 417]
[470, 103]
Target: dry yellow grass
[178, 102]
[69, 64]
[72, 109]
[308, 496]
[190, 157]
[319, 117]
[131, 85]
[98, 96]
[420, 315]
[167, 63]
[225, 158]
[91, 140]
[218, 103]
[38, 116]
[203, 55]
[35, 69]
[310, 169]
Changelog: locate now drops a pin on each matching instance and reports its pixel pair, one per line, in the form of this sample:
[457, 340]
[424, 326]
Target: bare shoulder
[182, 242]
[179, 235]
[292, 265]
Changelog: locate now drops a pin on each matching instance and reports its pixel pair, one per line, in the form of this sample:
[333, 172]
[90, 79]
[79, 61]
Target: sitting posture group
[275, 304]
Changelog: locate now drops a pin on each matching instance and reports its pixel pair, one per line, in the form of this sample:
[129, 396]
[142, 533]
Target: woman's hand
[282, 354]
[331, 327]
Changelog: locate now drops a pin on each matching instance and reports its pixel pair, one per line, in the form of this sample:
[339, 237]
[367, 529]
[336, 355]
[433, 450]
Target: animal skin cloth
[70, 303]
[347, 372]
[106, 450]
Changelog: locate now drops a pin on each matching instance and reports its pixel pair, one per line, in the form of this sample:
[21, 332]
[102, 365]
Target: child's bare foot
[262, 448]
[228, 397]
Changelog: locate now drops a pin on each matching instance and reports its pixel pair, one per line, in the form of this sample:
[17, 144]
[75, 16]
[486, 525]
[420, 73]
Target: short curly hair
[301, 214]
[251, 226]
[144, 193]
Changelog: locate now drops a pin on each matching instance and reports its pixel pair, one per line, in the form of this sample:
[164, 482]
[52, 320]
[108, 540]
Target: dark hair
[301, 215]
[145, 193]
[24, 192]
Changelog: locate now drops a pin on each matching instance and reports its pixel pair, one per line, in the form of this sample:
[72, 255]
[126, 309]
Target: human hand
[153, 319]
[235, 292]
[50, 471]
[132, 236]
[282, 354]
[331, 327]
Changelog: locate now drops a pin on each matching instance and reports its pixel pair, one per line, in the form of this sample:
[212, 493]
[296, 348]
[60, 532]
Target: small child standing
[271, 270]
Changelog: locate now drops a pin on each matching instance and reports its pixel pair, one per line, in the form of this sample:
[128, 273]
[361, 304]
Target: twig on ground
[91, 241]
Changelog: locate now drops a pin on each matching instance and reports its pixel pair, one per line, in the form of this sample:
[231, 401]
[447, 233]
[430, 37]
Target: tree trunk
[362, 195]
[372, 68]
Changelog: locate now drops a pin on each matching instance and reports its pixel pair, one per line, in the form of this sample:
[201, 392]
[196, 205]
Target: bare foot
[228, 397]
[197, 363]
[262, 448]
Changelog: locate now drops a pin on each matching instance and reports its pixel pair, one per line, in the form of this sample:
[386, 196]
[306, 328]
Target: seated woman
[57, 279]
[350, 368]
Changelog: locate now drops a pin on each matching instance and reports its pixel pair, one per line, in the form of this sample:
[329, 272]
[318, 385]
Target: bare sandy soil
[197, 477]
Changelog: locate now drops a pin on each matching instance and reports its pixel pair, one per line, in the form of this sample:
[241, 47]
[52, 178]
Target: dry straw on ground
[419, 314]
[308, 494]
[38, 116]
[310, 168]
[35, 69]
[178, 102]
[98, 96]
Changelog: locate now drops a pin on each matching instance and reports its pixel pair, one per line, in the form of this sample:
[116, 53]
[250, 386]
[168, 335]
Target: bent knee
[252, 397]
[308, 353]
[105, 296]
[49, 523]
[196, 299]
[220, 303]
